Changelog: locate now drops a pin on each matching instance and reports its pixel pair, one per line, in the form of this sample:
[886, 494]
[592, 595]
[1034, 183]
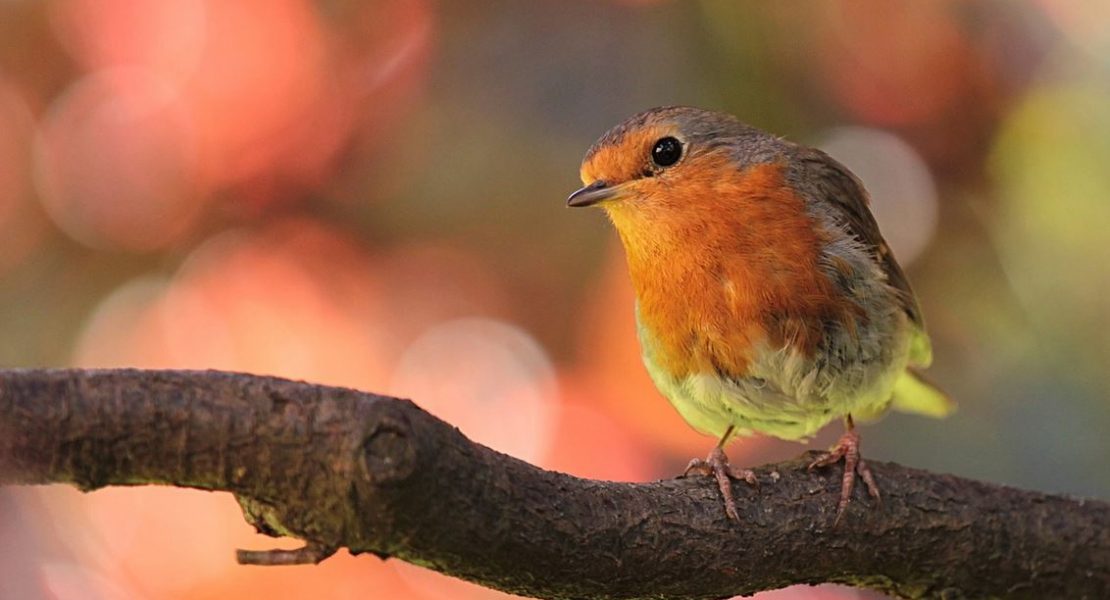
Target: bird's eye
[666, 152]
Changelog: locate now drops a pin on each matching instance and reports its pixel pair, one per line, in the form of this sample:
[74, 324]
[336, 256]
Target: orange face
[629, 160]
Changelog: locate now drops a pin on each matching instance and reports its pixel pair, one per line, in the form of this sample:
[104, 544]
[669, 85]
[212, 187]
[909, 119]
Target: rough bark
[340, 468]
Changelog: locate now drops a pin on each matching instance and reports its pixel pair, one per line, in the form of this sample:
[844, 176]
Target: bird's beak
[590, 195]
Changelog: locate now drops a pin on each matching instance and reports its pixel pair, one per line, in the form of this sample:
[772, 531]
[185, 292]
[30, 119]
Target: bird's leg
[717, 465]
[847, 448]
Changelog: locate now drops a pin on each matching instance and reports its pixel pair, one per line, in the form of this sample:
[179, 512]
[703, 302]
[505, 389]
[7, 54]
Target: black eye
[666, 152]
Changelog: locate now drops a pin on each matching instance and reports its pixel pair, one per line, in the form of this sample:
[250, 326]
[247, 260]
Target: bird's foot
[847, 448]
[717, 466]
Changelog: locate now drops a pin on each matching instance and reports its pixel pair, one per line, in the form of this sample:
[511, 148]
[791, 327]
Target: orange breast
[723, 260]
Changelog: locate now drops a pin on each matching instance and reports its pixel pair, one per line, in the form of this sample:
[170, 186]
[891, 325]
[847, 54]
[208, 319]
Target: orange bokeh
[116, 162]
[422, 584]
[294, 300]
[164, 37]
[486, 377]
[20, 230]
[15, 122]
[432, 282]
[589, 442]
[278, 94]
[385, 49]
[114, 529]
[260, 77]
[189, 98]
[893, 63]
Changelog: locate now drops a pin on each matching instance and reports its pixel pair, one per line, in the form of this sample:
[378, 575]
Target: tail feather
[914, 394]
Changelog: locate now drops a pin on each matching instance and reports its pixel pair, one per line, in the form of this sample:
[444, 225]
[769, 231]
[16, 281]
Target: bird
[767, 301]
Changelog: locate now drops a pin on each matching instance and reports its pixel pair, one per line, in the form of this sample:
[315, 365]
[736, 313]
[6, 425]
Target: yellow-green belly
[783, 393]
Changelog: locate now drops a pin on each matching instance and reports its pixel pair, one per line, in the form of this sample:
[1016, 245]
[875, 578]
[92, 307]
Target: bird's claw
[847, 448]
[717, 466]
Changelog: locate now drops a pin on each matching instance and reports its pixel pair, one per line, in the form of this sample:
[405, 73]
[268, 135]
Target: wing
[819, 175]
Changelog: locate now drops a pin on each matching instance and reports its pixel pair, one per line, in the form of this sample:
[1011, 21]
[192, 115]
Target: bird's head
[668, 161]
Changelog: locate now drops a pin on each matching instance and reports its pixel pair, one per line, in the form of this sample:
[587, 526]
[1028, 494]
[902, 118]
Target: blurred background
[371, 194]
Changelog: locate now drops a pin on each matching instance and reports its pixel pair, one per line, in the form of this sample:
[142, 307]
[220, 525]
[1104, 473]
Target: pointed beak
[590, 195]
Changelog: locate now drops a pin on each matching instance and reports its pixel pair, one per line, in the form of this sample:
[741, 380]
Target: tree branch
[340, 468]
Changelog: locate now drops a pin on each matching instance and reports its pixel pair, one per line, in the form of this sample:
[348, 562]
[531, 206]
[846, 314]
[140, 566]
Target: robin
[766, 299]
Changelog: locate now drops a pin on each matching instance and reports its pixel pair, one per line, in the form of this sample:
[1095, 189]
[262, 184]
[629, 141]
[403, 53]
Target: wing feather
[830, 182]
